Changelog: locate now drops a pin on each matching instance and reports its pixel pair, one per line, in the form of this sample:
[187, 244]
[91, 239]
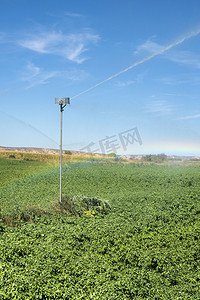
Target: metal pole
[62, 102]
[61, 110]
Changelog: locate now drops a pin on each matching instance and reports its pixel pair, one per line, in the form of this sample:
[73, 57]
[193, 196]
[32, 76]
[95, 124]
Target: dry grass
[54, 158]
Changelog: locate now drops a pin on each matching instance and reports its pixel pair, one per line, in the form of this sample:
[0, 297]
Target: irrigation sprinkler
[62, 102]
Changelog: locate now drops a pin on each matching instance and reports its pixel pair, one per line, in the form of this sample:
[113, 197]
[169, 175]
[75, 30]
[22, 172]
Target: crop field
[146, 246]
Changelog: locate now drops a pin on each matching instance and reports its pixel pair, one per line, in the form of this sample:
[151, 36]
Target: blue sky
[62, 48]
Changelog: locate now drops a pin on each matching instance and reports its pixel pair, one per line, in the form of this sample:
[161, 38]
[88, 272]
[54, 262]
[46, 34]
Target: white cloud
[190, 117]
[160, 108]
[74, 75]
[122, 84]
[182, 79]
[149, 46]
[178, 56]
[177, 95]
[73, 54]
[70, 46]
[73, 15]
[138, 79]
[185, 57]
[36, 76]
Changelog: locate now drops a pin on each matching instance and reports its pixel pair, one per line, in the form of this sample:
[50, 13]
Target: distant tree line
[155, 157]
[68, 152]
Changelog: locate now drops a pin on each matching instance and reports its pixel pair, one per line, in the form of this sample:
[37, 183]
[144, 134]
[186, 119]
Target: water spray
[164, 49]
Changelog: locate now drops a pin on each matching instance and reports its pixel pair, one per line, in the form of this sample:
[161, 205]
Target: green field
[145, 247]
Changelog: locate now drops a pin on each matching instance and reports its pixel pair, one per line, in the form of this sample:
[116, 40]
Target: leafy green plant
[82, 205]
[112, 154]
[91, 204]
[68, 152]
[146, 247]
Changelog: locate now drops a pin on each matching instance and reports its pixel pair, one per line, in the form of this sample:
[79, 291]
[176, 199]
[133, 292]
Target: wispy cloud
[185, 57]
[36, 76]
[73, 15]
[74, 75]
[148, 46]
[178, 56]
[70, 46]
[160, 108]
[3, 91]
[177, 95]
[189, 117]
[147, 58]
[122, 84]
[181, 79]
[2, 36]
[139, 79]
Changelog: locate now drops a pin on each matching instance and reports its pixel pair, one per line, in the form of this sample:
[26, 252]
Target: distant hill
[45, 151]
[80, 153]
